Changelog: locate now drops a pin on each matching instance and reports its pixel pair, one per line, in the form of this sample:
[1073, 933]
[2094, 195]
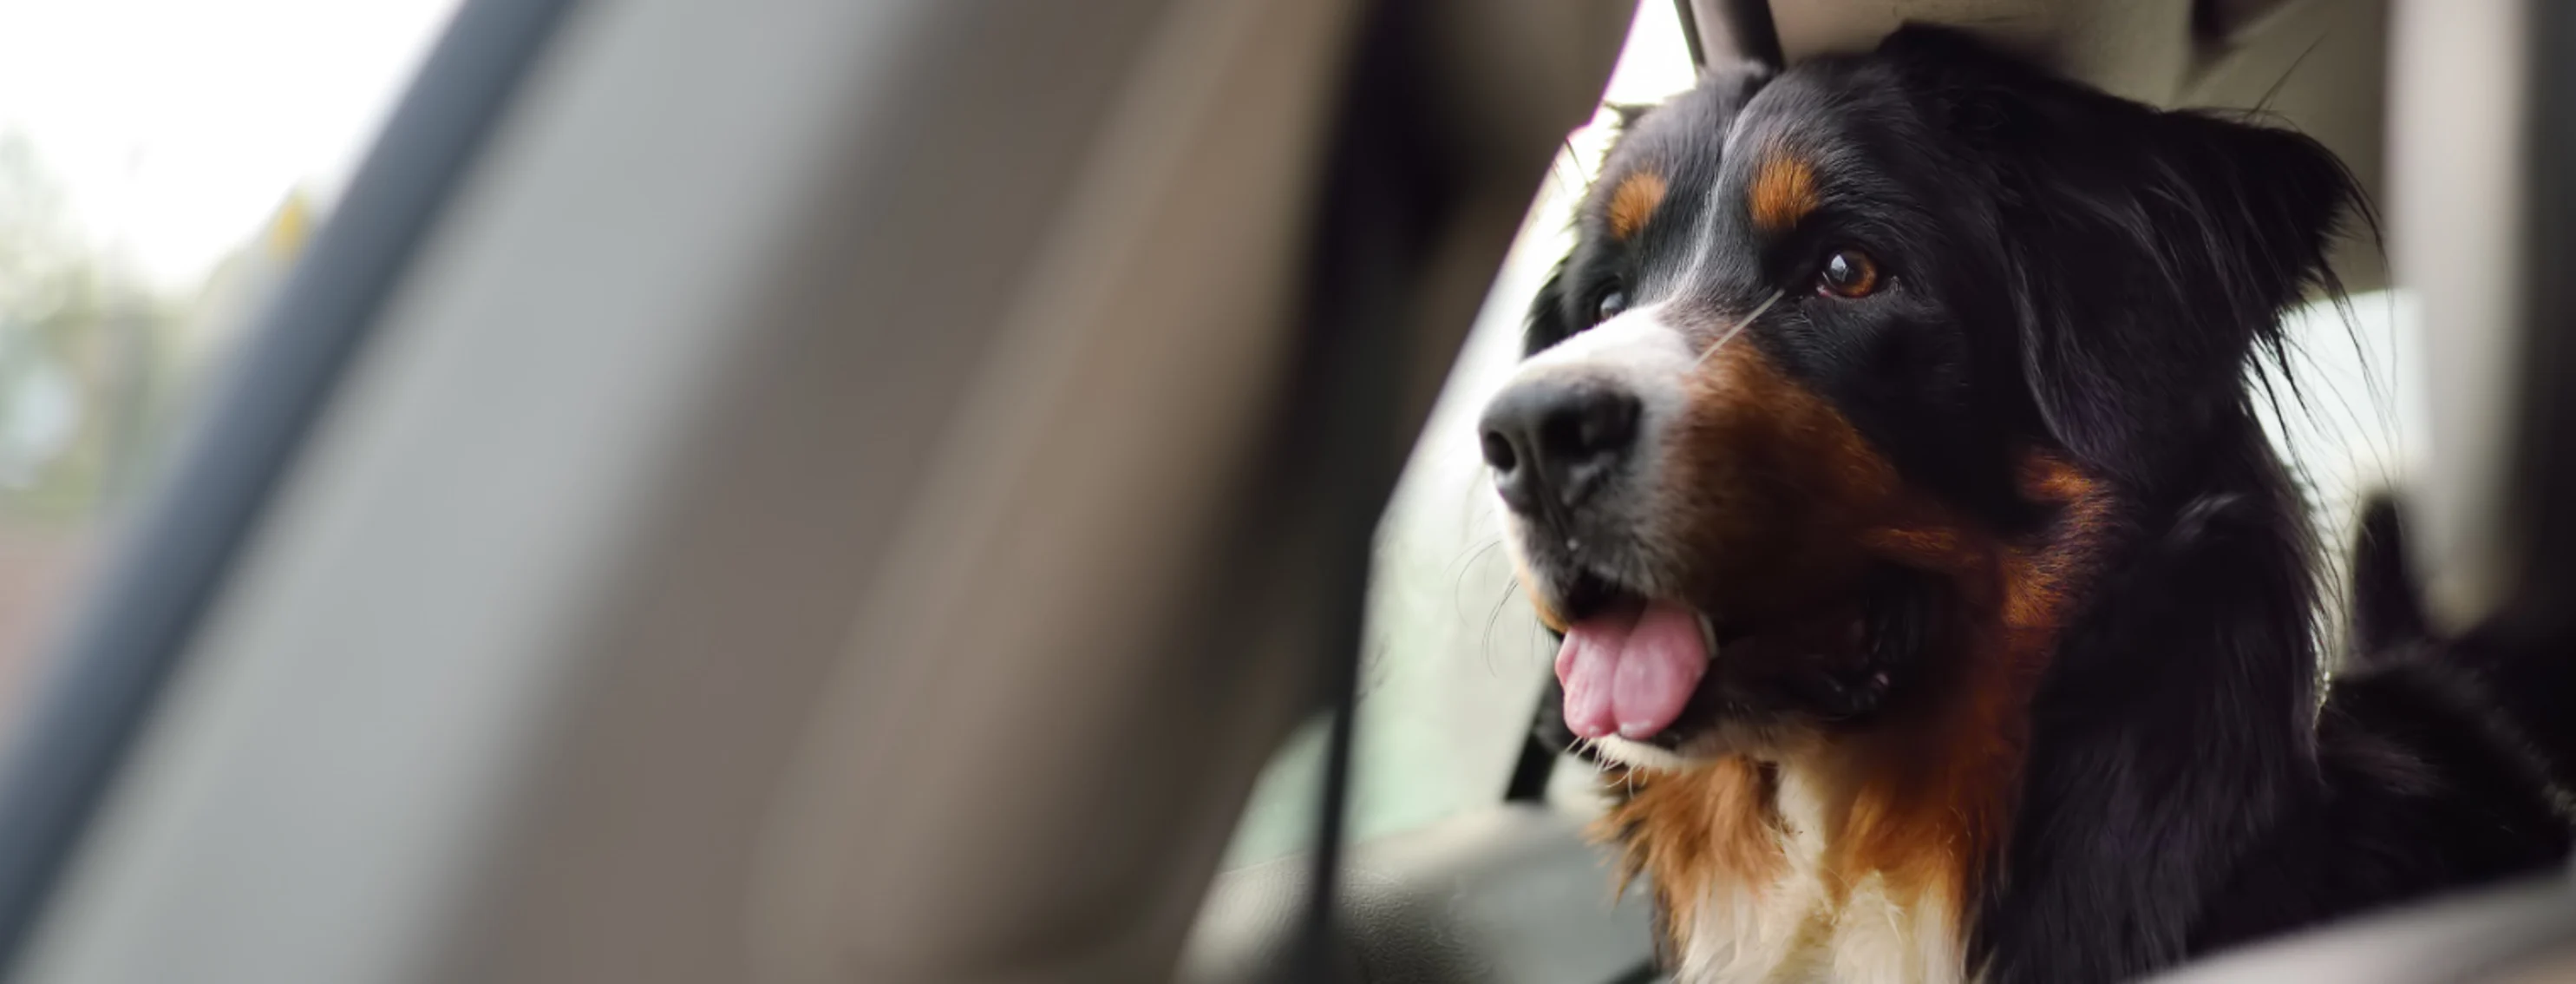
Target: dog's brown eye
[1848, 273]
[1611, 304]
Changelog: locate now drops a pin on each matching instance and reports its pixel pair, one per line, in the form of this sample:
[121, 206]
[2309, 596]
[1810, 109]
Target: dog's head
[1813, 317]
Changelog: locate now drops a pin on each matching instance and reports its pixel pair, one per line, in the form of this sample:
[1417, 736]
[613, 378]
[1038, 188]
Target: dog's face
[1811, 317]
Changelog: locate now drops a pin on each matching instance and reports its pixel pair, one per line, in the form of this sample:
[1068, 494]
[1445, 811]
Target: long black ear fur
[2387, 611]
[2230, 223]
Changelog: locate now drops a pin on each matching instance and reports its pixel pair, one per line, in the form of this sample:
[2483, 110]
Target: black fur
[2088, 275]
[2386, 613]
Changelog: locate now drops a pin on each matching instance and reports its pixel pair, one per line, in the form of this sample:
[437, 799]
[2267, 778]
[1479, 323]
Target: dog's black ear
[2174, 242]
[1549, 320]
[2387, 610]
[2152, 252]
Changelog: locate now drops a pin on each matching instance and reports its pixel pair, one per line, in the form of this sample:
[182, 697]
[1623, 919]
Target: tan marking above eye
[1633, 202]
[1783, 192]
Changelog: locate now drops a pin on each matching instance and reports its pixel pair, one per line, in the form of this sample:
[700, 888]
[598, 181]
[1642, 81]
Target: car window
[162, 163]
[1454, 661]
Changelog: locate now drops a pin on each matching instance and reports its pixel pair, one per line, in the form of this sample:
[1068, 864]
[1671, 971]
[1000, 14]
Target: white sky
[178, 126]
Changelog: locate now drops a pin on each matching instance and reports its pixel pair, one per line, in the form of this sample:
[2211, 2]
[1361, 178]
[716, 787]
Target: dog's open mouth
[1636, 666]
[1631, 667]
[1657, 671]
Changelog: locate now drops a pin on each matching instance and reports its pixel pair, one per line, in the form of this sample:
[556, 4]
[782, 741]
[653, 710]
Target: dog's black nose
[1556, 440]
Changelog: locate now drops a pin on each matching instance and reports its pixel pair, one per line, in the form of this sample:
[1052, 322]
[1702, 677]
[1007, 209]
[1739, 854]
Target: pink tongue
[1630, 671]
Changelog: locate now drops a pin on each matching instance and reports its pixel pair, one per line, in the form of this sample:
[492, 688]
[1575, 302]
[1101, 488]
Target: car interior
[791, 492]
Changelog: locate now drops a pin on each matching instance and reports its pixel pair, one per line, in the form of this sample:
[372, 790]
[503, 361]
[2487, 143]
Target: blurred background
[161, 163]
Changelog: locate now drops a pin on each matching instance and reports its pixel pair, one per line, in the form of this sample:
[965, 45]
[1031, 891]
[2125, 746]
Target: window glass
[162, 162]
[1454, 660]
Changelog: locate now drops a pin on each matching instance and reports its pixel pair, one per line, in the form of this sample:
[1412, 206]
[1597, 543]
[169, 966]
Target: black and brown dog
[1886, 458]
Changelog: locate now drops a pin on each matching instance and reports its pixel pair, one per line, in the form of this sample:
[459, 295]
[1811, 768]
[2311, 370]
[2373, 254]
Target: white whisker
[1739, 327]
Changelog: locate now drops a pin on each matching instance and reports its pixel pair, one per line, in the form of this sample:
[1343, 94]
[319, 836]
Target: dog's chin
[1691, 746]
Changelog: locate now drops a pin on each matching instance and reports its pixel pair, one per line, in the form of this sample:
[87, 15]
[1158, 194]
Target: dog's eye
[1612, 303]
[1848, 273]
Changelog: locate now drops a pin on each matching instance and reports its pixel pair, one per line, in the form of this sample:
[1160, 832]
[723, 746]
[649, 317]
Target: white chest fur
[1801, 928]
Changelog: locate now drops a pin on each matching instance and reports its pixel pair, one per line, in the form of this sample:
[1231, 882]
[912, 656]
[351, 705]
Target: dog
[1885, 457]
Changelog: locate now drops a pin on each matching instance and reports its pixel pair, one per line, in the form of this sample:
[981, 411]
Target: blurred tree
[82, 386]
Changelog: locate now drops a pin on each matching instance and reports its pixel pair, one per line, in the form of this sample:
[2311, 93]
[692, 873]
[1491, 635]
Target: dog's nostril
[1499, 453]
[1556, 440]
[1503, 444]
